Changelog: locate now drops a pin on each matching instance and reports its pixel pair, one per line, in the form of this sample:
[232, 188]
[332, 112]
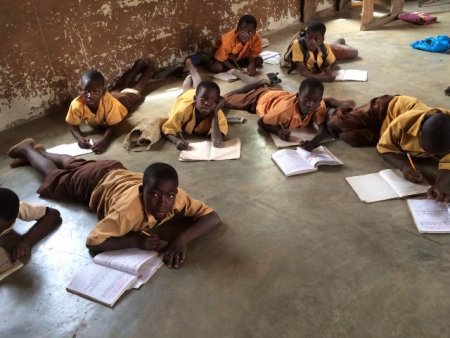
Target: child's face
[313, 40]
[309, 100]
[159, 197]
[206, 100]
[246, 32]
[92, 92]
[5, 226]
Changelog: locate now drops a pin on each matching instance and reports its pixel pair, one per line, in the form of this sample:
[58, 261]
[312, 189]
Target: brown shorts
[129, 97]
[77, 180]
[361, 126]
[246, 101]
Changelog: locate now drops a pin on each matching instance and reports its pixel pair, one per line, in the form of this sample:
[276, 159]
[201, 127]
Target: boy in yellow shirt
[196, 110]
[97, 107]
[11, 208]
[128, 204]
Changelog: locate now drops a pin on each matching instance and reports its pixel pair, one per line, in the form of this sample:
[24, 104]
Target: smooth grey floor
[293, 257]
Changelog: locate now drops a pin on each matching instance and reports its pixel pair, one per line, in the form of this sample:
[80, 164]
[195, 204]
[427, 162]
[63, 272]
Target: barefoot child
[97, 107]
[196, 110]
[281, 111]
[11, 208]
[238, 48]
[127, 203]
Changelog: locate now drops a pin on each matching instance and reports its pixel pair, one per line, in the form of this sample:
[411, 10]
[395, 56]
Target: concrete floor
[293, 257]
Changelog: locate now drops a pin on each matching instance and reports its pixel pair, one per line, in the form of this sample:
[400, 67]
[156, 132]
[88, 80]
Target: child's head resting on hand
[207, 96]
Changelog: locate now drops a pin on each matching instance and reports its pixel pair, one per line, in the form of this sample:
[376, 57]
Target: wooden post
[367, 20]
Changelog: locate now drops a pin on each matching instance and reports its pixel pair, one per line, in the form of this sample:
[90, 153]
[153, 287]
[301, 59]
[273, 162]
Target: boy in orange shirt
[97, 107]
[128, 204]
[238, 48]
[281, 110]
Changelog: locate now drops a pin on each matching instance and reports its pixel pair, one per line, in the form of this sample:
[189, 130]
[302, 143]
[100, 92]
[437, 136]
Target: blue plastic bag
[438, 44]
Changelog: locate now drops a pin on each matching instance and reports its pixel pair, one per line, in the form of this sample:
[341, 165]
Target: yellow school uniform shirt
[118, 204]
[110, 112]
[297, 56]
[401, 135]
[229, 47]
[281, 107]
[182, 117]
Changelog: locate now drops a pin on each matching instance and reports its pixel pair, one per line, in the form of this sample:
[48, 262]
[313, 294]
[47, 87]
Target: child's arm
[130, 240]
[42, 228]
[175, 252]
[401, 162]
[251, 69]
[326, 76]
[179, 143]
[102, 144]
[437, 190]
[282, 133]
[315, 141]
[83, 142]
[216, 134]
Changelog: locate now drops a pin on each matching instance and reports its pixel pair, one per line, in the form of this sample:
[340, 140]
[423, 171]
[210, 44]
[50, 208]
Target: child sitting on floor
[238, 48]
[312, 57]
[400, 125]
[97, 107]
[127, 203]
[281, 111]
[11, 208]
[197, 109]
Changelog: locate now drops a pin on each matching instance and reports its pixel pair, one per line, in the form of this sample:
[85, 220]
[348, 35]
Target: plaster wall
[47, 44]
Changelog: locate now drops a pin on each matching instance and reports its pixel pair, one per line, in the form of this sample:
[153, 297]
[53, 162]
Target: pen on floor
[237, 65]
[282, 127]
[411, 162]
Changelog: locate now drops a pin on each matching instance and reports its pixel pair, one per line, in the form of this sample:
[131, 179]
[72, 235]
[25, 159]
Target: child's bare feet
[17, 150]
[22, 161]
[263, 79]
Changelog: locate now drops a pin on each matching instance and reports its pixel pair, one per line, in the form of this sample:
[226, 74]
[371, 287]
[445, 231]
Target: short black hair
[92, 75]
[9, 204]
[311, 83]
[159, 171]
[434, 134]
[208, 85]
[316, 26]
[248, 19]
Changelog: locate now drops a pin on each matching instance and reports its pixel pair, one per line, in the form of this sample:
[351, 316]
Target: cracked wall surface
[47, 44]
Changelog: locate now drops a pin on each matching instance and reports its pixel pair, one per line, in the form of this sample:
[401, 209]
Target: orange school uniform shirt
[401, 134]
[182, 117]
[110, 112]
[297, 56]
[229, 47]
[281, 107]
[118, 204]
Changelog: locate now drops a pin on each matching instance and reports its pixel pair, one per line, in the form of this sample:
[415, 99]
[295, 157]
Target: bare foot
[22, 161]
[263, 79]
[16, 150]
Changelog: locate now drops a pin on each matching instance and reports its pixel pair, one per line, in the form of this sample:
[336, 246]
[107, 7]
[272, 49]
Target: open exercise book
[7, 267]
[299, 161]
[205, 151]
[72, 149]
[351, 75]
[430, 216]
[297, 136]
[225, 77]
[114, 272]
[384, 185]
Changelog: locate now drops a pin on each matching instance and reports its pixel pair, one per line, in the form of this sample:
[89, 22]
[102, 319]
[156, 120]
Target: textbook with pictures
[297, 136]
[299, 161]
[205, 151]
[351, 75]
[7, 267]
[430, 216]
[114, 272]
[384, 185]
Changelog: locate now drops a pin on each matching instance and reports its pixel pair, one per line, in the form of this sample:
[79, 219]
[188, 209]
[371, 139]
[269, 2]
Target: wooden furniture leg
[367, 20]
